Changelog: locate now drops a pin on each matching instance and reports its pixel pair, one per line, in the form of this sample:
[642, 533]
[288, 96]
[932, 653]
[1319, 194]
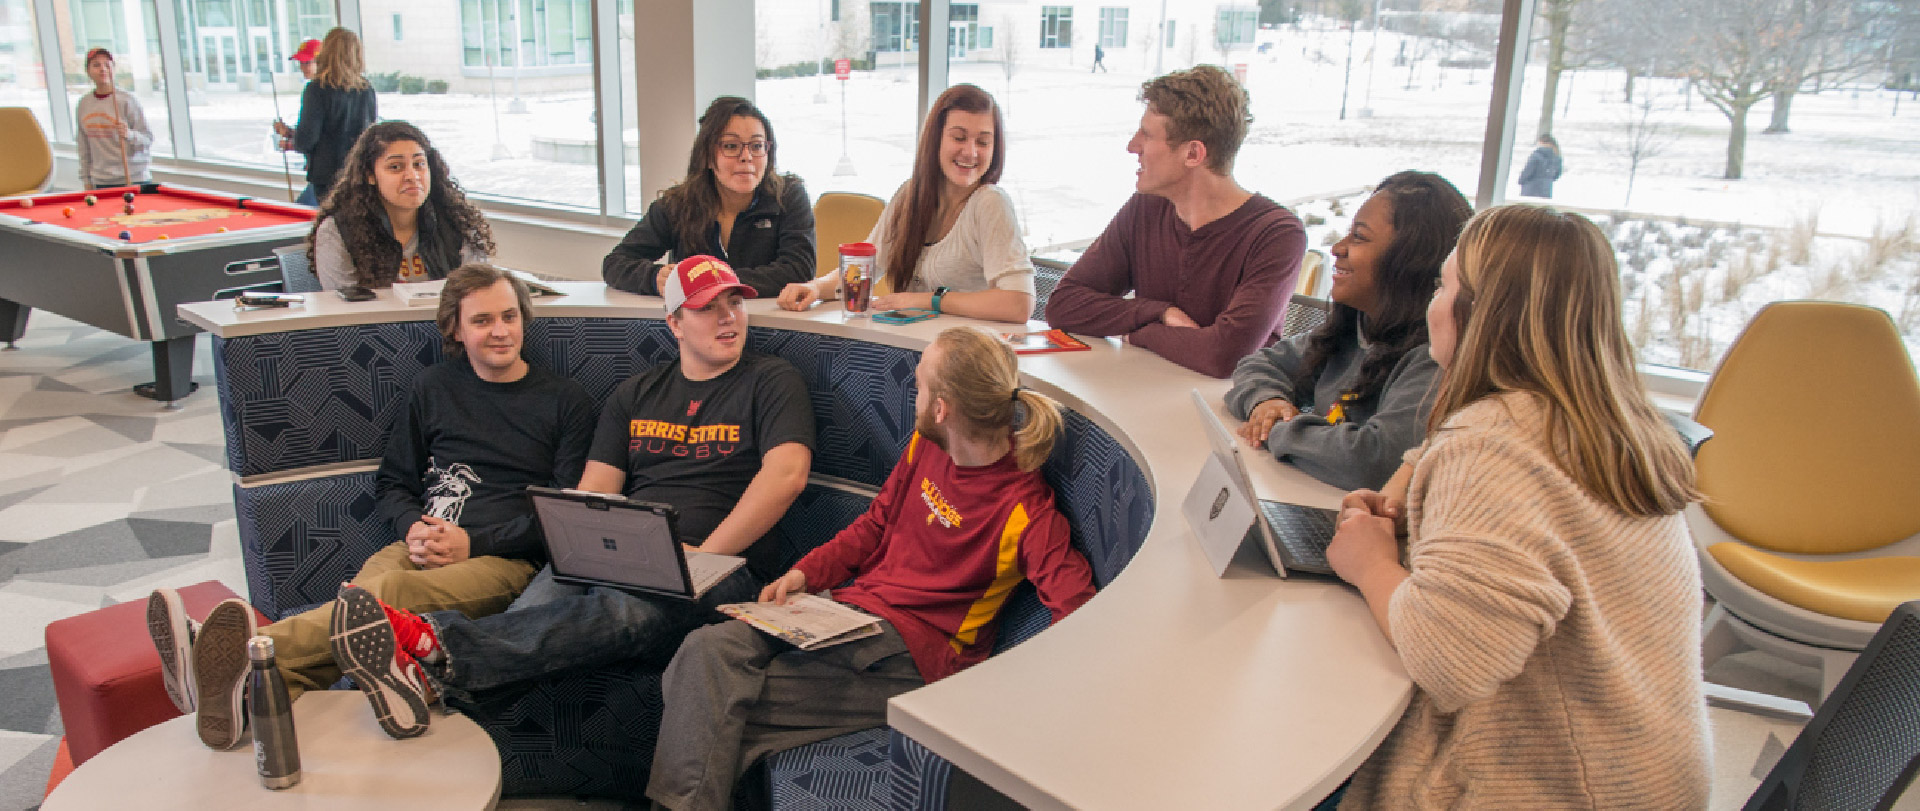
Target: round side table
[346, 762]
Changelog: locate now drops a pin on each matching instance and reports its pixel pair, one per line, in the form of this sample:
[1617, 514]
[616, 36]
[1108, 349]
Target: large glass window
[1113, 28]
[896, 26]
[1730, 166]
[23, 81]
[852, 135]
[520, 122]
[129, 29]
[1056, 26]
[240, 77]
[1233, 27]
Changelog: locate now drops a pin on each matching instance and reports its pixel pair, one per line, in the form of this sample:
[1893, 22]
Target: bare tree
[1737, 50]
[1829, 47]
[1557, 17]
[1009, 35]
[1350, 12]
[1646, 132]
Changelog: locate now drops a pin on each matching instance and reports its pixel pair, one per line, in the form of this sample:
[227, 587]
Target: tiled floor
[105, 495]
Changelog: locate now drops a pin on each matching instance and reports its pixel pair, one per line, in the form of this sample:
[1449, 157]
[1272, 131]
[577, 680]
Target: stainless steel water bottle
[275, 750]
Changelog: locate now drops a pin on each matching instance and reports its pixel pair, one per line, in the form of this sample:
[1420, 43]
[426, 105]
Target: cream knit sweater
[1554, 641]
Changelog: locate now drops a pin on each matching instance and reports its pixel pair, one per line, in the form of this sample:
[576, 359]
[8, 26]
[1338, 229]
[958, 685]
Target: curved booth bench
[307, 397]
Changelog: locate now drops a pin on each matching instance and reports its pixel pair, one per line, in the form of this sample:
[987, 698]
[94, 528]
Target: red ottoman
[106, 674]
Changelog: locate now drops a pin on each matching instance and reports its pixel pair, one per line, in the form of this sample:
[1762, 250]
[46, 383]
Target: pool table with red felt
[183, 245]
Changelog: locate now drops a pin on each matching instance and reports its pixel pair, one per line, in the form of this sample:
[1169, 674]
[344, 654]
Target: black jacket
[331, 119]
[771, 245]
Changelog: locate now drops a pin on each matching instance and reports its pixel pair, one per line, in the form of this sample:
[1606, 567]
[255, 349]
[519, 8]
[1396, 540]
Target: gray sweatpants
[734, 695]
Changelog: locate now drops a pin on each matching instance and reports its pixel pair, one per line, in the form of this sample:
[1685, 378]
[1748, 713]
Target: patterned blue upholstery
[918, 777]
[848, 773]
[294, 400]
[301, 540]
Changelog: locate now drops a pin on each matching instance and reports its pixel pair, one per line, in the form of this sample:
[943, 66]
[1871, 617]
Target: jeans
[307, 197]
[556, 627]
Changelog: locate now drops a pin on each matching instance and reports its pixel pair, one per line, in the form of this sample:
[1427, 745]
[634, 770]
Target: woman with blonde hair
[335, 108]
[1549, 607]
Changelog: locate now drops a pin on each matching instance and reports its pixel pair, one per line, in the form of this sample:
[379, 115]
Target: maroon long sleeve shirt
[1232, 276]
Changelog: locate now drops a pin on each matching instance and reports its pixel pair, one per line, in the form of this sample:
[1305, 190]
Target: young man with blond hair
[1209, 265]
[962, 519]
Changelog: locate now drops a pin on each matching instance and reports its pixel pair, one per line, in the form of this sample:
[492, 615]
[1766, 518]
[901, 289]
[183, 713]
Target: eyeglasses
[732, 149]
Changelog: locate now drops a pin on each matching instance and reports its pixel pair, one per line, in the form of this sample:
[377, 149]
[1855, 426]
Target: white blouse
[983, 250]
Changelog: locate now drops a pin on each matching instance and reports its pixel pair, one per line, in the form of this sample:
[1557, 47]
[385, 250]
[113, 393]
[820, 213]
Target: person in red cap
[303, 57]
[308, 50]
[724, 435]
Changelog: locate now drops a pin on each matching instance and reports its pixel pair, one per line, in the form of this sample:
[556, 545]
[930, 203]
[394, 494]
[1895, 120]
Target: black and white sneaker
[364, 647]
[172, 634]
[220, 672]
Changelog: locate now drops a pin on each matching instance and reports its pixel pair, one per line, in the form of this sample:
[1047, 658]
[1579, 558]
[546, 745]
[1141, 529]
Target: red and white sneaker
[368, 647]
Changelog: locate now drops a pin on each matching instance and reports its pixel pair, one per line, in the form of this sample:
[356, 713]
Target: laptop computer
[597, 539]
[1294, 537]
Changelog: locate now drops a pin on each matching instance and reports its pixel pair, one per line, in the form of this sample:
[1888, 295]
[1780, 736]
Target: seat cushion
[106, 674]
[1862, 589]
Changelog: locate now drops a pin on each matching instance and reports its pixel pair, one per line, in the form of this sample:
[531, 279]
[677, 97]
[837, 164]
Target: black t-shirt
[697, 444]
[465, 450]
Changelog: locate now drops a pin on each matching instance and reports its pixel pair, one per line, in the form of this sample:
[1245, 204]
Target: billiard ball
[221, 230]
[92, 199]
[66, 212]
[26, 204]
[162, 236]
[127, 197]
[126, 235]
[128, 209]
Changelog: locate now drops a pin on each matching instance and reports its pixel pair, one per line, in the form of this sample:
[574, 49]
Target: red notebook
[1037, 343]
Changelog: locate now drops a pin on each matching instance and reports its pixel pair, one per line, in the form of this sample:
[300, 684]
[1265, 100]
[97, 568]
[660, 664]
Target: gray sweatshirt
[335, 267]
[1365, 448]
[99, 142]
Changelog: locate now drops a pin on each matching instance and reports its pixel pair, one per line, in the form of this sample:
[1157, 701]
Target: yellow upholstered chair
[1810, 533]
[28, 166]
[842, 216]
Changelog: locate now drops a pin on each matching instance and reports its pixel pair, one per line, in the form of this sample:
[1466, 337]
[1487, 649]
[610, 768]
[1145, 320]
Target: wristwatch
[938, 294]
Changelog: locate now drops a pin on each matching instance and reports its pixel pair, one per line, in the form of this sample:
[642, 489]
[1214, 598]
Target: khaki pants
[475, 587]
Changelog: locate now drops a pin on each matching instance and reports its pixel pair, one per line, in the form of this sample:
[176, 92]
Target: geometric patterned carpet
[104, 495]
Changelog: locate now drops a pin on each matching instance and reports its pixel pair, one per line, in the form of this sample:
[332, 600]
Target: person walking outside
[1543, 167]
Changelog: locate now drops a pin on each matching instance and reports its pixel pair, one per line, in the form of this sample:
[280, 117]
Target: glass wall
[23, 81]
[855, 134]
[130, 30]
[1720, 197]
[235, 54]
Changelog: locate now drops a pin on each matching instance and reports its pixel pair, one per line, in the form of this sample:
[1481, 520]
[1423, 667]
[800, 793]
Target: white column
[686, 53]
[138, 60]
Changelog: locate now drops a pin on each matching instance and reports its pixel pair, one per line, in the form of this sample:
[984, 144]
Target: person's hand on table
[776, 592]
[660, 276]
[902, 301]
[797, 296]
[1363, 545]
[1176, 317]
[1378, 504]
[1261, 420]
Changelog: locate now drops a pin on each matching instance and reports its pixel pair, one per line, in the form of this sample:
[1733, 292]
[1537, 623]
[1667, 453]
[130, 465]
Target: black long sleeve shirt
[772, 244]
[465, 450]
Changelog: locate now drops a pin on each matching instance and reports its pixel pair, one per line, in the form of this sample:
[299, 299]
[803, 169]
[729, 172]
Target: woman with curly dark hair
[733, 203]
[1345, 401]
[395, 215]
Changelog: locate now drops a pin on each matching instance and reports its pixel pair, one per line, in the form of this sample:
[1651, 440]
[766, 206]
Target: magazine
[1035, 343]
[808, 621]
[419, 294]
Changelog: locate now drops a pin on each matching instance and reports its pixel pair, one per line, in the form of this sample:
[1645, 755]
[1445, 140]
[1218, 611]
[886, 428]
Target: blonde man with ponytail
[1549, 607]
[964, 517]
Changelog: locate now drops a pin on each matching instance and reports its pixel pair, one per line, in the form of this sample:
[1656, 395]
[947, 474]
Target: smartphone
[269, 299]
[354, 292]
[910, 315]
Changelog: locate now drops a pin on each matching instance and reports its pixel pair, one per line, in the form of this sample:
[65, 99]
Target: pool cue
[285, 172]
[120, 127]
